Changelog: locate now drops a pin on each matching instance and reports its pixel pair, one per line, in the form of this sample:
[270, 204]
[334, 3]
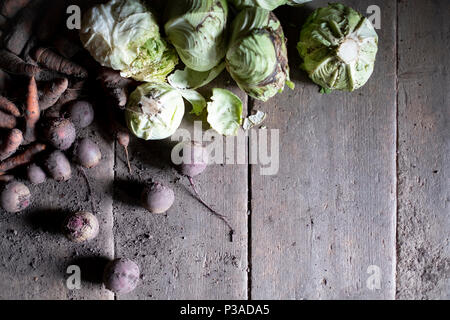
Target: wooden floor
[362, 193]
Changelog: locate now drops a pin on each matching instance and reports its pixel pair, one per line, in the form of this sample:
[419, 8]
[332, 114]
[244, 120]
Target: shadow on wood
[91, 268]
[48, 220]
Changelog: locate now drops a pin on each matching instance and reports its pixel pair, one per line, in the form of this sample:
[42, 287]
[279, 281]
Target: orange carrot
[114, 85]
[10, 145]
[7, 121]
[9, 8]
[21, 159]
[51, 92]
[9, 107]
[21, 28]
[73, 93]
[55, 62]
[6, 178]
[11, 63]
[32, 112]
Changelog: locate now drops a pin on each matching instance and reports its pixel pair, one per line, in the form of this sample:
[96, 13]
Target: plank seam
[397, 144]
[113, 211]
[250, 104]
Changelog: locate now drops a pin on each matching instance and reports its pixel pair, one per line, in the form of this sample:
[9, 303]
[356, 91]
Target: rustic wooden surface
[35, 256]
[423, 268]
[329, 213]
[185, 253]
[363, 183]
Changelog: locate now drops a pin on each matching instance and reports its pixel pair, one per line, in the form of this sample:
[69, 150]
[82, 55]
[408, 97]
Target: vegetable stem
[214, 212]
[83, 172]
[128, 160]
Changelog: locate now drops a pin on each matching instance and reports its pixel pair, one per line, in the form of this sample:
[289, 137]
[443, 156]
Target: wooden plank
[329, 214]
[424, 151]
[34, 255]
[186, 253]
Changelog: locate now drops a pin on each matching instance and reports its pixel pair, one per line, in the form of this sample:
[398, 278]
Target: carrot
[3, 22]
[7, 121]
[9, 8]
[4, 80]
[71, 94]
[32, 112]
[21, 30]
[66, 46]
[55, 62]
[11, 63]
[51, 92]
[21, 159]
[6, 178]
[114, 85]
[9, 107]
[10, 145]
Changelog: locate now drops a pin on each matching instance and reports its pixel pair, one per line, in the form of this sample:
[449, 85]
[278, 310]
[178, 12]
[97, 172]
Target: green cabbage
[266, 4]
[124, 35]
[338, 46]
[197, 29]
[225, 112]
[190, 79]
[154, 111]
[257, 57]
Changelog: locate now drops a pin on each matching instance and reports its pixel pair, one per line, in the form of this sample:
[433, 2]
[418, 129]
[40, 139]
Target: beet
[15, 197]
[157, 198]
[195, 158]
[194, 162]
[87, 153]
[121, 276]
[35, 174]
[58, 166]
[60, 133]
[81, 227]
[81, 113]
[123, 138]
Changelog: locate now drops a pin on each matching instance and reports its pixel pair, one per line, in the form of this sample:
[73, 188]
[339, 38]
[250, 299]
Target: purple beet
[60, 133]
[195, 158]
[80, 227]
[15, 197]
[35, 174]
[58, 166]
[157, 198]
[194, 162]
[87, 153]
[81, 113]
[121, 276]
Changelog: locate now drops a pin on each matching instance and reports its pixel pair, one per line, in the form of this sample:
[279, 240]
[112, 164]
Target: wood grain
[185, 253]
[423, 270]
[34, 255]
[329, 213]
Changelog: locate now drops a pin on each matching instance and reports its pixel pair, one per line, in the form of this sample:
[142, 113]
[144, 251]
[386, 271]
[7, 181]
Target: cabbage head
[266, 4]
[154, 111]
[338, 46]
[257, 56]
[225, 112]
[124, 35]
[197, 29]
